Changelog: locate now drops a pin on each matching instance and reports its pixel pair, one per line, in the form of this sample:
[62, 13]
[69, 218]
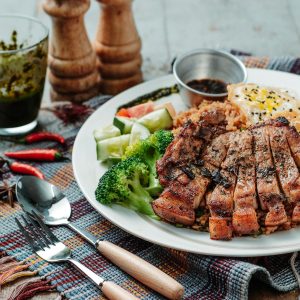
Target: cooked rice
[234, 117]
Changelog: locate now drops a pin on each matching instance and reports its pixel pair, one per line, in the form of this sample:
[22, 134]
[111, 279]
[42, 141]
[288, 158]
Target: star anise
[8, 193]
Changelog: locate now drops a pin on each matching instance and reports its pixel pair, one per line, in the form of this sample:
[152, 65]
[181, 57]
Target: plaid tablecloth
[204, 277]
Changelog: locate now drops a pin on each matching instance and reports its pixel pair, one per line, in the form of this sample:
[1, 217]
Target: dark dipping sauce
[208, 86]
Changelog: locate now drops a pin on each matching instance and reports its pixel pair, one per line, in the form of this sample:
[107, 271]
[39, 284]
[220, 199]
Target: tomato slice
[140, 110]
[123, 112]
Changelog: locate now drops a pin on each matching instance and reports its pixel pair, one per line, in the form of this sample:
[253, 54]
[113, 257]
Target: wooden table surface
[171, 27]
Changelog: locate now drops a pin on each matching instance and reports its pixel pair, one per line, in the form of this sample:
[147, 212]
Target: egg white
[261, 103]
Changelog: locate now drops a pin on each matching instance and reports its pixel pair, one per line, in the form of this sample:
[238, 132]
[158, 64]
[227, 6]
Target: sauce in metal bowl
[209, 86]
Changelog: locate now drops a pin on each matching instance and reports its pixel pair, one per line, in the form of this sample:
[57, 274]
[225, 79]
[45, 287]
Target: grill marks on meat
[286, 168]
[183, 150]
[180, 174]
[233, 205]
[220, 202]
[293, 139]
[234, 174]
[244, 219]
[266, 182]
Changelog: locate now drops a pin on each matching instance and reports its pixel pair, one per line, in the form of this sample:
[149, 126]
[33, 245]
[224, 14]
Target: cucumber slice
[106, 133]
[158, 119]
[138, 132]
[124, 124]
[113, 147]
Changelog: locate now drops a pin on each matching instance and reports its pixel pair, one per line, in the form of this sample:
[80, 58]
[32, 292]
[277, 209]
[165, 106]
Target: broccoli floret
[161, 139]
[124, 184]
[149, 151]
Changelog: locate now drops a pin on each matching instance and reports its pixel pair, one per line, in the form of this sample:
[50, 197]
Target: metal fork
[45, 244]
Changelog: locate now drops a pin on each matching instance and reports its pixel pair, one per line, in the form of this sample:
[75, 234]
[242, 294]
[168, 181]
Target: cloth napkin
[204, 277]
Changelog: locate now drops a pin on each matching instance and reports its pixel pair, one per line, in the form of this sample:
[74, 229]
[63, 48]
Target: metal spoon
[54, 208]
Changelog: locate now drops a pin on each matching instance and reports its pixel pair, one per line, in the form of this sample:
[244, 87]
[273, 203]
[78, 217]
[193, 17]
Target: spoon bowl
[44, 198]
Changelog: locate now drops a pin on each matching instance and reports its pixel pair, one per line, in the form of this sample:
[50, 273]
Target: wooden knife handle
[114, 292]
[142, 270]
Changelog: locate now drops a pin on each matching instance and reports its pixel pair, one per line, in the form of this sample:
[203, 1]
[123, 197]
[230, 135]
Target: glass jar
[23, 64]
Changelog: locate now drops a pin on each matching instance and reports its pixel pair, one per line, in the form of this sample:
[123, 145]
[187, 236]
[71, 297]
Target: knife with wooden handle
[135, 266]
[142, 270]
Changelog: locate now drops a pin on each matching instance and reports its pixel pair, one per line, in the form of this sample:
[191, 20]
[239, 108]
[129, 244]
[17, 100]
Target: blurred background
[170, 27]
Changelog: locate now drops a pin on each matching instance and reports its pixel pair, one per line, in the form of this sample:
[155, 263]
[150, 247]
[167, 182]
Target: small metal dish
[206, 64]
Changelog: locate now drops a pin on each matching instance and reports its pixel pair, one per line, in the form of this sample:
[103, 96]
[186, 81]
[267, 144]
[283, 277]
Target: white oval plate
[88, 171]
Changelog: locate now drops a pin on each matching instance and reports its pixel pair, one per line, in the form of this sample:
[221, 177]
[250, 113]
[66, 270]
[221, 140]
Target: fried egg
[260, 103]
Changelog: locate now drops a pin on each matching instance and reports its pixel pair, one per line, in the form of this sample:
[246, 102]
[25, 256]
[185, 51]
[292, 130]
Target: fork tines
[37, 234]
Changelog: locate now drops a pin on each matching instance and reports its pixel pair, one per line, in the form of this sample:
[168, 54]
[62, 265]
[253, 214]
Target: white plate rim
[169, 235]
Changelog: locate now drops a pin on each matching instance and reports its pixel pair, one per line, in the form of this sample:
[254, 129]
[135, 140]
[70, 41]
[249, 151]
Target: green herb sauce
[22, 78]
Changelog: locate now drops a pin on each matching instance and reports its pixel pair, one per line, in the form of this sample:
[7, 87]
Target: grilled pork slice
[291, 135]
[293, 139]
[192, 189]
[296, 213]
[220, 202]
[266, 181]
[210, 162]
[179, 172]
[286, 168]
[183, 150]
[186, 191]
[244, 219]
[188, 144]
[216, 151]
[173, 209]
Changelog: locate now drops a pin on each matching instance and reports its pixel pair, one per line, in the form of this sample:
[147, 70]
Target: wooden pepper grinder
[118, 47]
[72, 61]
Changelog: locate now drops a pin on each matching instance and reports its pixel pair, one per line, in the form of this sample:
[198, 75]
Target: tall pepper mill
[118, 47]
[72, 60]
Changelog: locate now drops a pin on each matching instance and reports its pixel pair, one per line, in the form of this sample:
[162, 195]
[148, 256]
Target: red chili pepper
[43, 136]
[36, 137]
[36, 154]
[21, 168]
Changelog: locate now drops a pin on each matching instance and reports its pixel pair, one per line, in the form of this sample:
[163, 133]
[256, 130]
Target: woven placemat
[204, 277]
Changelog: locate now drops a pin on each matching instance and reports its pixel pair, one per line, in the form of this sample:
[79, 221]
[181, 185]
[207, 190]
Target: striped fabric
[204, 277]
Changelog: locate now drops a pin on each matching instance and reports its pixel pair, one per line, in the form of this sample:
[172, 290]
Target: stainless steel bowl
[204, 64]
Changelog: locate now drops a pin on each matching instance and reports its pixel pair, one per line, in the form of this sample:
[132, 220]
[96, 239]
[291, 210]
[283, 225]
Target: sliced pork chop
[216, 151]
[267, 186]
[188, 144]
[191, 189]
[183, 149]
[179, 172]
[244, 219]
[220, 202]
[286, 168]
[293, 139]
[173, 209]
[231, 172]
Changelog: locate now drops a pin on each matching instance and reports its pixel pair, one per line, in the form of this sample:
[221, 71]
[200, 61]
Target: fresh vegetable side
[133, 181]
[130, 148]
[131, 125]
